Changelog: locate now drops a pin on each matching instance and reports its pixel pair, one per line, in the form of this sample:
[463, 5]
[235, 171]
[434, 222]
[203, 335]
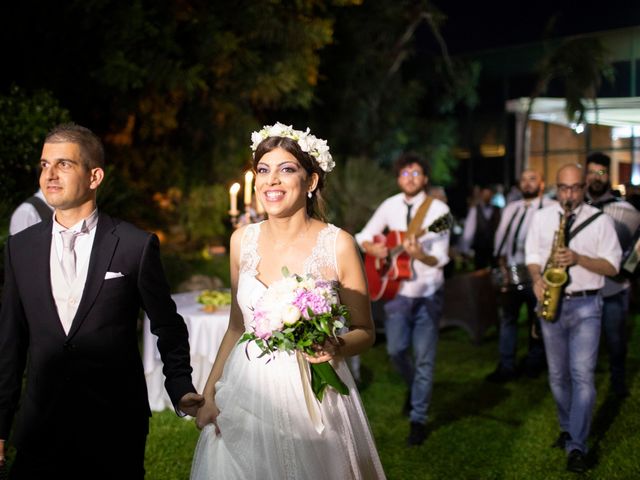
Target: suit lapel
[104, 245]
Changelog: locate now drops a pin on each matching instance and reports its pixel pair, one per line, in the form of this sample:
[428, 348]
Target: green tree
[25, 119]
[579, 64]
[392, 86]
[354, 189]
[174, 88]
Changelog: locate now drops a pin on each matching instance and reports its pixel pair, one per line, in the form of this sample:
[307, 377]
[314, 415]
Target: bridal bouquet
[297, 313]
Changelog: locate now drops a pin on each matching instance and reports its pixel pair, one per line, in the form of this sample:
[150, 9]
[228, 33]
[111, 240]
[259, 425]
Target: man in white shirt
[571, 339]
[412, 316]
[615, 292]
[515, 284]
[33, 210]
[74, 287]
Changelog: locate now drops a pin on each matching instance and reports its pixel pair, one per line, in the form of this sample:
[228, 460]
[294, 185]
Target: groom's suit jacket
[90, 381]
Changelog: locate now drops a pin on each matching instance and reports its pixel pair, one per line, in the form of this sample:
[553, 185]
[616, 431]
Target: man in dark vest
[33, 210]
[479, 229]
[616, 290]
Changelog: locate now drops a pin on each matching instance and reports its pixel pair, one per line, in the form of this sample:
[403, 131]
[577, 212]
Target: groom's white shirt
[67, 297]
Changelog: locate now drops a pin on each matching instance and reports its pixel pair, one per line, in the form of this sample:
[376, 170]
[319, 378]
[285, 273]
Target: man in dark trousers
[616, 290]
[479, 229]
[74, 287]
[515, 287]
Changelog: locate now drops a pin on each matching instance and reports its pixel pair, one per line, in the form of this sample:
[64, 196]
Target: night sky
[480, 25]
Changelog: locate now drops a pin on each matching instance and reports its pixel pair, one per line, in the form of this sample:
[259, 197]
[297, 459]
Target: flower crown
[316, 147]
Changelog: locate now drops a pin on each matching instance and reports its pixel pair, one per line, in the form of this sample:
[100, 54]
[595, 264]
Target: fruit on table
[215, 298]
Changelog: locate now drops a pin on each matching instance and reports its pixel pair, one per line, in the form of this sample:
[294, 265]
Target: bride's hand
[325, 352]
[207, 414]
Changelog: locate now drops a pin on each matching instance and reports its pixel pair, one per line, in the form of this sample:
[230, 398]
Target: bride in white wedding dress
[256, 421]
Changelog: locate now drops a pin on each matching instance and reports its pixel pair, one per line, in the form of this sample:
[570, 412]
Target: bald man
[515, 288]
[571, 338]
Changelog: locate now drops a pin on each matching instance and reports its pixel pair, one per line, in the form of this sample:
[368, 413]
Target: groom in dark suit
[74, 287]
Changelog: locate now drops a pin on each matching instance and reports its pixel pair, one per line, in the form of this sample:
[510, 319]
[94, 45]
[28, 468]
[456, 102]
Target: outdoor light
[577, 127]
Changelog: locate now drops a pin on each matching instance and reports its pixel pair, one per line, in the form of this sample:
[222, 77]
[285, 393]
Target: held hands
[190, 403]
[207, 414]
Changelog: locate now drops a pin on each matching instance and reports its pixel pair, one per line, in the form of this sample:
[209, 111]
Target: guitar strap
[416, 222]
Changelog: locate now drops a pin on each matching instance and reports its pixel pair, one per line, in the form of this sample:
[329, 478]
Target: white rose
[290, 314]
[304, 142]
[279, 130]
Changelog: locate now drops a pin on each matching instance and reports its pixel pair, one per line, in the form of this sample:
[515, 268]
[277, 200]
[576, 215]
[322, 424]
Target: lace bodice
[321, 263]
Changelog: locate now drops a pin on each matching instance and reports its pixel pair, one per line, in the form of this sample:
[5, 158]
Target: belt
[581, 293]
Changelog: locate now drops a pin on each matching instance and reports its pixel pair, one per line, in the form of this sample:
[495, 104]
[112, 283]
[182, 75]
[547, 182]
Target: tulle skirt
[266, 431]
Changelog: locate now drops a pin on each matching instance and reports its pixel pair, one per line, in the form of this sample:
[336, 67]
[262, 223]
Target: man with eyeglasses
[412, 316]
[571, 339]
[615, 292]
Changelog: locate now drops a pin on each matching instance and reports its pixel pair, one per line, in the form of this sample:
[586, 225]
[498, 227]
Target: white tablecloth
[205, 334]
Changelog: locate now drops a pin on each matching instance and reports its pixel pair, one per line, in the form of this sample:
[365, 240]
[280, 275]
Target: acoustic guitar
[385, 275]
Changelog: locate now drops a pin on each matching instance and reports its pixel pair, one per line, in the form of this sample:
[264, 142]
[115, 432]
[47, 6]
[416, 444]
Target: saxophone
[554, 277]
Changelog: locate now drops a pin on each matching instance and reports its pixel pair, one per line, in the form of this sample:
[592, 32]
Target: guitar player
[412, 316]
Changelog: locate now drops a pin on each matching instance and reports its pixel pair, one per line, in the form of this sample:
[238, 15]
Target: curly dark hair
[408, 158]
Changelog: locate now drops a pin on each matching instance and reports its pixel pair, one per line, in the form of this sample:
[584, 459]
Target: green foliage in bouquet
[297, 313]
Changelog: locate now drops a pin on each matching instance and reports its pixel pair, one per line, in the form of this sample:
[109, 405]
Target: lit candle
[233, 195]
[248, 185]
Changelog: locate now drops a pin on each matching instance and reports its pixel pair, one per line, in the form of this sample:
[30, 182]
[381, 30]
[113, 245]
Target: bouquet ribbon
[313, 405]
[315, 380]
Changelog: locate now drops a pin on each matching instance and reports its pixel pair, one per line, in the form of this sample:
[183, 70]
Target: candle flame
[235, 188]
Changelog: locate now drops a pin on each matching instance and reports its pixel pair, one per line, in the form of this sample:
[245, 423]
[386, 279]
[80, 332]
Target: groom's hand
[190, 403]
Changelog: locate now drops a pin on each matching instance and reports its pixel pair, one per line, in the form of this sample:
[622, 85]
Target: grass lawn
[478, 430]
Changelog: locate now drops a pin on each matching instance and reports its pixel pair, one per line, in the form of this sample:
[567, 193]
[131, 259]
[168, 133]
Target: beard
[528, 195]
[597, 188]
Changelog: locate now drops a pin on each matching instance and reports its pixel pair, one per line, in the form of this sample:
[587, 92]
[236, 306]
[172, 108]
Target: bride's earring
[310, 194]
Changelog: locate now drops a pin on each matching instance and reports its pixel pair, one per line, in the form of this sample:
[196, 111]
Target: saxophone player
[590, 252]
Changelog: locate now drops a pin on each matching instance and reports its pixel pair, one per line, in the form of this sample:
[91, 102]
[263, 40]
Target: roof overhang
[613, 112]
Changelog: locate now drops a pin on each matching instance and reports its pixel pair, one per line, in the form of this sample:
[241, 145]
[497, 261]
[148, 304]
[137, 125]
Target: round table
[205, 334]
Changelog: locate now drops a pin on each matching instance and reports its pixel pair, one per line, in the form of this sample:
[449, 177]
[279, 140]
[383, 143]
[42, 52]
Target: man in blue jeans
[412, 316]
[590, 252]
[615, 292]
